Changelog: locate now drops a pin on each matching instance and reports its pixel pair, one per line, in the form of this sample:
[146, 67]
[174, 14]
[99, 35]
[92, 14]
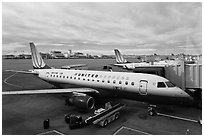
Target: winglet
[37, 60]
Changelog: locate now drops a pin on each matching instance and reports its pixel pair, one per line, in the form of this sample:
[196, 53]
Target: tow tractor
[101, 117]
[152, 112]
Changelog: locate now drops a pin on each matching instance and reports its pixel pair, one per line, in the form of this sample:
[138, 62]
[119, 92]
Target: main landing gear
[152, 110]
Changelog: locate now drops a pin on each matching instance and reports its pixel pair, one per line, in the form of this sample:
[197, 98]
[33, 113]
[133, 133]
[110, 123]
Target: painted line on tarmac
[135, 130]
[176, 117]
[5, 80]
[118, 130]
[55, 131]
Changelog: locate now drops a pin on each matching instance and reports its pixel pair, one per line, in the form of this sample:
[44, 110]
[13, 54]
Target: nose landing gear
[152, 110]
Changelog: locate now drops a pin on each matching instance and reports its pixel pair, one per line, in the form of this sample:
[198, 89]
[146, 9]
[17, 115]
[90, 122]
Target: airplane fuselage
[136, 86]
[147, 64]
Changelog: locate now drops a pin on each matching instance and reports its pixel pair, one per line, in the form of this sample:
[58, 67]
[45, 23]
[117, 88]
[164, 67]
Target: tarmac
[24, 114]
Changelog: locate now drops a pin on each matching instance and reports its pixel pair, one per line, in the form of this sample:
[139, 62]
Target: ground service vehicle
[101, 117]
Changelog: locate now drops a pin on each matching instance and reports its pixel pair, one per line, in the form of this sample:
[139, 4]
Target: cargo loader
[101, 117]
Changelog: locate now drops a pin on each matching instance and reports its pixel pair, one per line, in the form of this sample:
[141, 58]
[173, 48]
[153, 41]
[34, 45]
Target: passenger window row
[101, 76]
[108, 81]
[92, 75]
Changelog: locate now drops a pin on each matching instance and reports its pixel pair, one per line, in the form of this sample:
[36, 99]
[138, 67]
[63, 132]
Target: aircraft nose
[182, 93]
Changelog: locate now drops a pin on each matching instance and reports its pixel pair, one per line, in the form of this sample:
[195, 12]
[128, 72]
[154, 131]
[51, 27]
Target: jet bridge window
[161, 85]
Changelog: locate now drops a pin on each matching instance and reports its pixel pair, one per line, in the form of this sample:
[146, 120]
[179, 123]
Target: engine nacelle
[82, 101]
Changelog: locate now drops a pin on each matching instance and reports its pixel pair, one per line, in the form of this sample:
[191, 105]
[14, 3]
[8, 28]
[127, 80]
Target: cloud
[102, 26]
[58, 44]
[12, 46]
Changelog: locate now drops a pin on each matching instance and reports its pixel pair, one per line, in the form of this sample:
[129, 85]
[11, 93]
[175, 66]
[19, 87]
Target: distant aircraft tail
[37, 60]
[119, 57]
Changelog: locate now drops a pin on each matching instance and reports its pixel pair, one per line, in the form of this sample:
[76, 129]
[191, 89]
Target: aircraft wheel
[151, 112]
[105, 123]
[116, 116]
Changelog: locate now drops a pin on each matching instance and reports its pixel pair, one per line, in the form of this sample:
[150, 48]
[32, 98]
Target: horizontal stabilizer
[51, 91]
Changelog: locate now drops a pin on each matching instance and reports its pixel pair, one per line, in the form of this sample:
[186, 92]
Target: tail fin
[37, 60]
[119, 57]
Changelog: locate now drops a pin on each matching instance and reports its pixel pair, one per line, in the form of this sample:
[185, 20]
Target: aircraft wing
[21, 71]
[51, 91]
[75, 66]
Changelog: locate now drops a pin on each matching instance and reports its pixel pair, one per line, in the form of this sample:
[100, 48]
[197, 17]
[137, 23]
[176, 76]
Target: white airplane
[136, 86]
[122, 62]
[76, 66]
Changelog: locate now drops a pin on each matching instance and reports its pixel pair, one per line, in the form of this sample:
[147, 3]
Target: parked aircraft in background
[122, 62]
[76, 67]
[148, 88]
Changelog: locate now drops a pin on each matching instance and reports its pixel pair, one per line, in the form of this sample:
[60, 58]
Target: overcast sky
[98, 28]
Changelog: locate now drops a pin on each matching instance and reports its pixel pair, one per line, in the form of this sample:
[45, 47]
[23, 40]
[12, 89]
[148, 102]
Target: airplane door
[143, 87]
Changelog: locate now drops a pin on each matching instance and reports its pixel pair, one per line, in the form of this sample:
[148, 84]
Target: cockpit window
[169, 84]
[161, 85]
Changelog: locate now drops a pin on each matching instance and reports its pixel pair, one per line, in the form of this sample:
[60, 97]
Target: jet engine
[81, 101]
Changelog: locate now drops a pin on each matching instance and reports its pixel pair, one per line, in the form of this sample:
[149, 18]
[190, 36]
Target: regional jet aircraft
[122, 62]
[136, 86]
